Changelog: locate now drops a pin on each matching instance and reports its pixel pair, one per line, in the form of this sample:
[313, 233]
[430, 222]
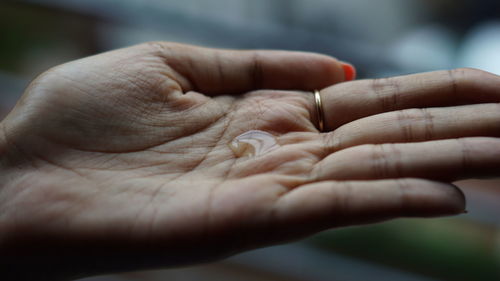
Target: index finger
[219, 71]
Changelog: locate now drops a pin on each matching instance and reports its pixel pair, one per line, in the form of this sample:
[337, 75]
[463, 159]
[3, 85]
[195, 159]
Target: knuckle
[465, 154]
[156, 46]
[416, 124]
[405, 122]
[474, 151]
[410, 115]
[343, 204]
[385, 160]
[387, 91]
[480, 144]
[378, 161]
[461, 79]
[407, 190]
[170, 52]
[332, 142]
[256, 71]
[469, 71]
[403, 187]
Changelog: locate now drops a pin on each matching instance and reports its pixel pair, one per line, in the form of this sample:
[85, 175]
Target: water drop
[253, 143]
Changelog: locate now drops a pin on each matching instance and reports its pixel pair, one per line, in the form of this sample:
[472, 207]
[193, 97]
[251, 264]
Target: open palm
[126, 156]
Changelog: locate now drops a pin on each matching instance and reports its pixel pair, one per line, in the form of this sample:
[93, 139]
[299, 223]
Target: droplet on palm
[253, 143]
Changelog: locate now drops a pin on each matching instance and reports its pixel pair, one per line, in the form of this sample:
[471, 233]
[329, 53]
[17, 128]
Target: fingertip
[453, 200]
[438, 199]
[349, 71]
[459, 204]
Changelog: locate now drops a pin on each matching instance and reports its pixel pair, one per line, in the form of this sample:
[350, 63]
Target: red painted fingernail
[349, 71]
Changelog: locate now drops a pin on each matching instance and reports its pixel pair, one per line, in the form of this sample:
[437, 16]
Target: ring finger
[416, 125]
[444, 160]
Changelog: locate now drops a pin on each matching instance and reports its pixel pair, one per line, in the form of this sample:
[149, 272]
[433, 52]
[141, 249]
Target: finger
[327, 204]
[415, 125]
[446, 160]
[217, 71]
[346, 102]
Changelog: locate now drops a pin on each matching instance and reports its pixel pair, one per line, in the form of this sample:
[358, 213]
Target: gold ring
[319, 111]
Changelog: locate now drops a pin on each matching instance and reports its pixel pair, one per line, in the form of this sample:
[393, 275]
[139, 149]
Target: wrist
[11, 253]
[28, 251]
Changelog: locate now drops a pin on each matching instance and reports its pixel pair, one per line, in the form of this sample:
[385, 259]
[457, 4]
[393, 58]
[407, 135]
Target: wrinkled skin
[121, 161]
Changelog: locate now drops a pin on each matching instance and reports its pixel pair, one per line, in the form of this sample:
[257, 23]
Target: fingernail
[349, 71]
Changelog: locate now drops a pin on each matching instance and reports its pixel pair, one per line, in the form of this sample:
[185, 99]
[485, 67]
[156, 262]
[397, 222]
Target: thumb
[217, 71]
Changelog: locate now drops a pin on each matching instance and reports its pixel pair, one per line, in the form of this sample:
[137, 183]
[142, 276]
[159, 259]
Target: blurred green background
[382, 38]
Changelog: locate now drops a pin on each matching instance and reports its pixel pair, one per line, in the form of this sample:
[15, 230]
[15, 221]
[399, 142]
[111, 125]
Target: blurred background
[381, 38]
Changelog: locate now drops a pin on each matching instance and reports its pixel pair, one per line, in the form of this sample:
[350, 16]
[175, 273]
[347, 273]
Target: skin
[120, 161]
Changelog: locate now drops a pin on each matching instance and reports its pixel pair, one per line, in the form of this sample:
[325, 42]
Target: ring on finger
[319, 111]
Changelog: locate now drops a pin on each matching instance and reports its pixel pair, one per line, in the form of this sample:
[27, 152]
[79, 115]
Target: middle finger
[350, 101]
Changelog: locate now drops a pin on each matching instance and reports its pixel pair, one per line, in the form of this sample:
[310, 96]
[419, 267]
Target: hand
[121, 161]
